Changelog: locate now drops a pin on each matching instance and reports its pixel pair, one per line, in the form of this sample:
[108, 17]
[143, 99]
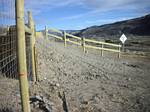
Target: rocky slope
[138, 26]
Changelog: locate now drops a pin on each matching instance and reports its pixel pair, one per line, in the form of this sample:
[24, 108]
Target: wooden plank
[99, 42]
[98, 48]
[27, 29]
[74, 42]
[73, 36]
[55, 36]
[55, 30]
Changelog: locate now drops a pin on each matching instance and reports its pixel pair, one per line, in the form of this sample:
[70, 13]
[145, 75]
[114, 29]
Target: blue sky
[79, 14]
[7, 12]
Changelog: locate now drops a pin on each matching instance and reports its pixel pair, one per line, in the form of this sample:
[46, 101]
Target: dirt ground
[92, 83]
[74, 81]
[9, 95]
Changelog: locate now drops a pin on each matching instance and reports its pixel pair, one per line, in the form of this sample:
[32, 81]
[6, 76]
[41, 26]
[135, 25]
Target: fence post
[64, 38]
[119, 51]
[102, 50]
[83, 44]
[36, 62]
[32, 44]
[46, 32]
[36, 59]
[21, 53]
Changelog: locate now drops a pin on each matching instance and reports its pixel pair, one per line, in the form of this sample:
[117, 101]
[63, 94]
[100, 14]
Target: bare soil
[93, 83]
[74, 81]
[9, 95]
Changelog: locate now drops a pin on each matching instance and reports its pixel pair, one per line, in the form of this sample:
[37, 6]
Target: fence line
[104, 43]
[55, 36]
[17, 46]
[73, 42]
[55, 30]
[79, 38]
[8, 51]
[81, 41]
[8, 58]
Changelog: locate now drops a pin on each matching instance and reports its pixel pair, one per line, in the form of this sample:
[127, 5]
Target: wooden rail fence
[84, 42]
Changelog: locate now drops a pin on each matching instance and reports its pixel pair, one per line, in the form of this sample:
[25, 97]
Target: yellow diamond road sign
[123, 38]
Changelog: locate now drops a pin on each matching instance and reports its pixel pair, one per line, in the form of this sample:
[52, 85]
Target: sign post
[123, 38]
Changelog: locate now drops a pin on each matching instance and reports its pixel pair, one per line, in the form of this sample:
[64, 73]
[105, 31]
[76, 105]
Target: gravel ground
[73, 81]
[9, 95]
[92, 83]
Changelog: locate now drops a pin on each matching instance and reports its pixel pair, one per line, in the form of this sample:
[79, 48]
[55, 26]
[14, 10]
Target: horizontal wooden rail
[82, 42]
[99, 48]
[55, 30]
[55, 36]
[77, 43]
[73, 36]
[27, 30]
[104, 43]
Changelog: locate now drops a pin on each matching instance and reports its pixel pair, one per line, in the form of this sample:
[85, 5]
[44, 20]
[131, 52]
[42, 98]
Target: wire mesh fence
[8, 52]
[8, 58]
[8, 41]
[9, 89]
[28, 56]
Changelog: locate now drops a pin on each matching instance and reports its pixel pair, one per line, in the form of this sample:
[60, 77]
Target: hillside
[138, 27]
[72, 31]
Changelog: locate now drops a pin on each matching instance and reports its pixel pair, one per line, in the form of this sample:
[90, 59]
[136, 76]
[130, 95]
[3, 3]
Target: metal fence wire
[8, 52]
[28, 56]
[8, 41]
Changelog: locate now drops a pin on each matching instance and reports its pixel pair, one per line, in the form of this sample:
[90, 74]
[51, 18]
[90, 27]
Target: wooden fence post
[46, 32]
[21, 53]
[64, 38]
[35, 57]
[83, 44]
[102, 50]
[119, 51]
[36, 62]
[32, 44]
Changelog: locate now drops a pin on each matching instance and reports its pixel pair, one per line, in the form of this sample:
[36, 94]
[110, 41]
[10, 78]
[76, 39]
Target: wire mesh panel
[8, 58]
[28, 56]
[9, 88]
[8, 52]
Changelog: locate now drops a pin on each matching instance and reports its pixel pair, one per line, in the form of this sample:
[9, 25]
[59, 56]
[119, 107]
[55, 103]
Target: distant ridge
[138, 26]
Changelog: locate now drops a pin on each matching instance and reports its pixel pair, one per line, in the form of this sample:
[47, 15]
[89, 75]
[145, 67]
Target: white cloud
[38, 6]
[102, 6]
[94, 6]
[94, 9]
